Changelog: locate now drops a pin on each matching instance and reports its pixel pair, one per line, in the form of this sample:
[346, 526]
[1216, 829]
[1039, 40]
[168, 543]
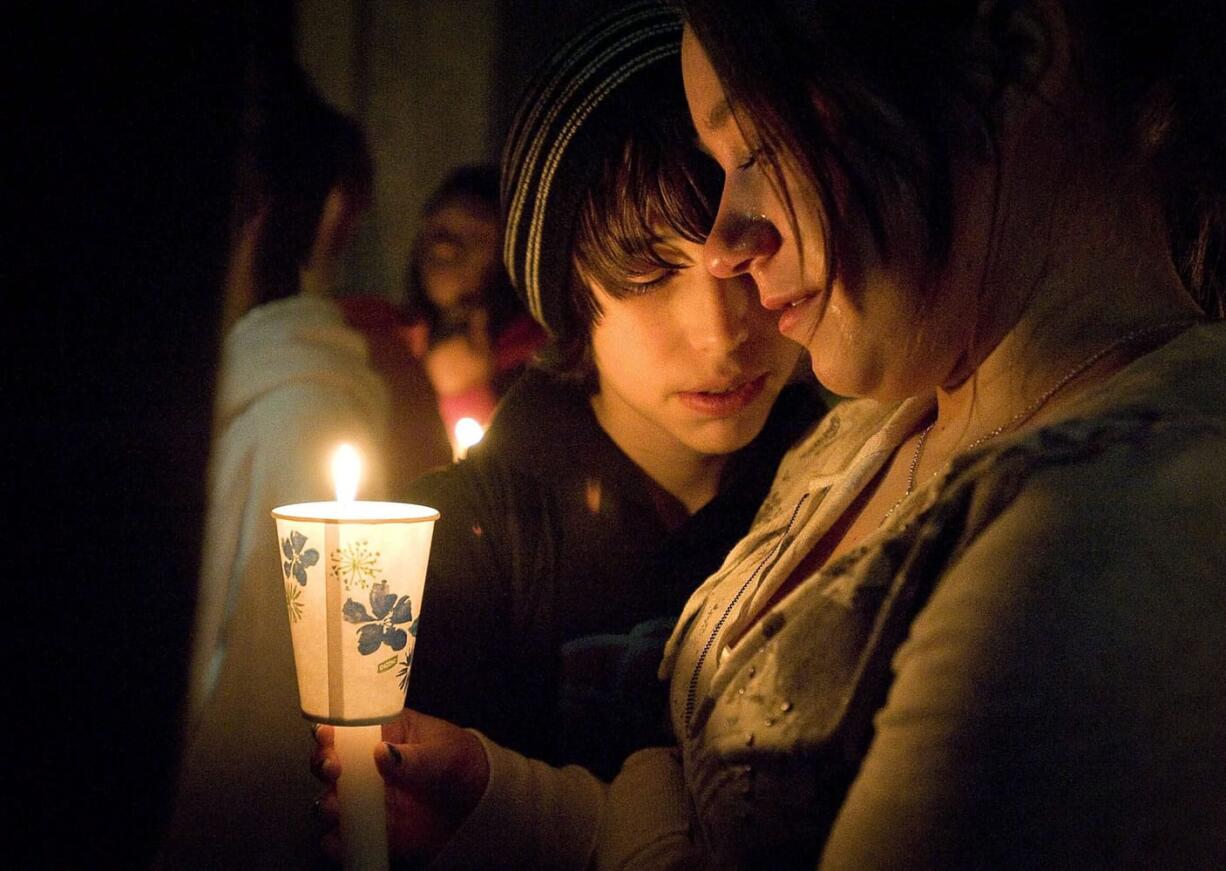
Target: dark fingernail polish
[393, 752]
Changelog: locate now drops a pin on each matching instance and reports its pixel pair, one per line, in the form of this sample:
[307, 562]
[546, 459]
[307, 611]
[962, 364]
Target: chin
[855, 382]
[726, 436]
[836, 382]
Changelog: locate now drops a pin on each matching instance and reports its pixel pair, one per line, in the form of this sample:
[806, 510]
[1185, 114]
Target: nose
[738, 238]
[718, 313]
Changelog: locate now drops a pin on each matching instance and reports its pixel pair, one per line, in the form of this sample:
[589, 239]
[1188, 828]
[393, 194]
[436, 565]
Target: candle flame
[346, 470]
[467, 433]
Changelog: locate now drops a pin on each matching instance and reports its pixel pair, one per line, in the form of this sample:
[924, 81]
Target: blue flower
[297, 561]
[381, 628]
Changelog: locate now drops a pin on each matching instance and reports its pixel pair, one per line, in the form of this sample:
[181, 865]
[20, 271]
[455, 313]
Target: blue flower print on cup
[297, 561]
[382, 628]
[406, 664]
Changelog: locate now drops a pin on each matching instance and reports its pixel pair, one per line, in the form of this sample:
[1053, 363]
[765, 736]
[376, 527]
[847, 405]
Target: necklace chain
[1031, 410]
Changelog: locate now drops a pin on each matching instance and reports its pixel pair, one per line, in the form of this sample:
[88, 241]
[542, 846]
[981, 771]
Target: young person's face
[691, 361]
[887, 339]
[459, 253]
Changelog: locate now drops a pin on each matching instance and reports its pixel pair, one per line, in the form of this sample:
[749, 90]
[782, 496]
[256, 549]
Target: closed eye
[641, 285]
[752, 160]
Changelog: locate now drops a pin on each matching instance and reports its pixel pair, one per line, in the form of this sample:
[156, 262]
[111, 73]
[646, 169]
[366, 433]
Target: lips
[723, 403]
[797, 312]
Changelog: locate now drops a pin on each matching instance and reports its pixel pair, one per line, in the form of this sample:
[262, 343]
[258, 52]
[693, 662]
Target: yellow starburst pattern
[355, 565]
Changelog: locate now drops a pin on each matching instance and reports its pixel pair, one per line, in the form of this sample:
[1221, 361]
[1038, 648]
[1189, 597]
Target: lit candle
[354, 573]
[468, 431]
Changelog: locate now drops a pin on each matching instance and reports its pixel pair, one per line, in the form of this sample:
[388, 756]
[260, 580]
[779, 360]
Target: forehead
[708, 103]
[468, 218]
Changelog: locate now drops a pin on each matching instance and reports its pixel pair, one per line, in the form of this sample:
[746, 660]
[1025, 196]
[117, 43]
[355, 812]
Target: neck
[1053, 355]
[316, 280]
[1103, 274]
[690, 477]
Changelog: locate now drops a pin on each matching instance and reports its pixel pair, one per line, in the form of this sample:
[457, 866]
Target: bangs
[659, 187]
[873, 139]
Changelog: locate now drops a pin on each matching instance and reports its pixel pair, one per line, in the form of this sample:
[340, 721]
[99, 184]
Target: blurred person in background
[463, 317]
[294, 382]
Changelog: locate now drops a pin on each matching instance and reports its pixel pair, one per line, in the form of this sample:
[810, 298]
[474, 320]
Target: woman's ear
[241, 293]
[1026, 48]
[337, 223]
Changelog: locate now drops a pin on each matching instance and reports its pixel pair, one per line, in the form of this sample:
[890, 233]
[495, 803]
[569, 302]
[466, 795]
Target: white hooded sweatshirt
[294, 383]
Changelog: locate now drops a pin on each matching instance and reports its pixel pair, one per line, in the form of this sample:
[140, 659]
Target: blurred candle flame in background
[467, 433]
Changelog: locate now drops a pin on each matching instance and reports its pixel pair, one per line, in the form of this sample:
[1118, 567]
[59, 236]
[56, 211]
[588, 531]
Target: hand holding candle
[435, 773]
[354, 574]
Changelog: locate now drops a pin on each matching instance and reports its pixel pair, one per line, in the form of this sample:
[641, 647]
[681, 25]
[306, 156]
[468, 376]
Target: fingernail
[314, 729]
[393, 752]
[317, 808]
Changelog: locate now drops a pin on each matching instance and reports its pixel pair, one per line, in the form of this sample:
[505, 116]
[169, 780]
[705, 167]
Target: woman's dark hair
[298, 148]
[656, 184]
[475, 185]
[875, 100]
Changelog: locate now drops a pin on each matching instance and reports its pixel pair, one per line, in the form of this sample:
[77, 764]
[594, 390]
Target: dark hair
[477, 182]
[298, 149]
[877, 99]
[475, 185]
[657, 183]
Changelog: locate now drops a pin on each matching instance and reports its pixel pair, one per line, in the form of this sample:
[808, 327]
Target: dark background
[434, 83]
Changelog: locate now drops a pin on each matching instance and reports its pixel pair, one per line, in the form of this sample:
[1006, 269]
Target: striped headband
[579, 106]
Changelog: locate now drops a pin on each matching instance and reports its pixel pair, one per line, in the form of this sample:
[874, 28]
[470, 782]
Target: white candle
[360, 793]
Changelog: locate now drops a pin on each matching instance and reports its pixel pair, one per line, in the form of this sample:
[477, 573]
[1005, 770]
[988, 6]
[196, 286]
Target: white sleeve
[534, 815]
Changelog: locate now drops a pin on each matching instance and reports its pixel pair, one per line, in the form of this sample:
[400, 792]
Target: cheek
[613, 343]
[633, 340]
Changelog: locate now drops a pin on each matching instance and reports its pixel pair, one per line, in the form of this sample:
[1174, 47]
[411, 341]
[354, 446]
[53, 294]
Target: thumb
[454, 772]
[417, 766]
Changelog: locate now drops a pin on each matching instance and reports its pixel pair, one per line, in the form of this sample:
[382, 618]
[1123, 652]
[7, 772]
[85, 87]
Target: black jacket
[554, 581]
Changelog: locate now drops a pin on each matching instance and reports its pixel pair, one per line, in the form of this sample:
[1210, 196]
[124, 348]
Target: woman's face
[880, 339]
[691, 361]
[459, 253]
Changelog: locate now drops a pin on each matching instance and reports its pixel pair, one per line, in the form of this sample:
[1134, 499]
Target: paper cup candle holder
[354, 573]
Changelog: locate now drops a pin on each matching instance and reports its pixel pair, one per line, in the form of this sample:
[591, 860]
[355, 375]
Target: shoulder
[1070, 653]
[1080, 569]
[1133, 472]
[538, 429]
[1086, 498]
[297, 355]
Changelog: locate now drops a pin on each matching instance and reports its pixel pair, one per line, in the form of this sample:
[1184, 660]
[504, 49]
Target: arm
[1060, 702]
[458, 800]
